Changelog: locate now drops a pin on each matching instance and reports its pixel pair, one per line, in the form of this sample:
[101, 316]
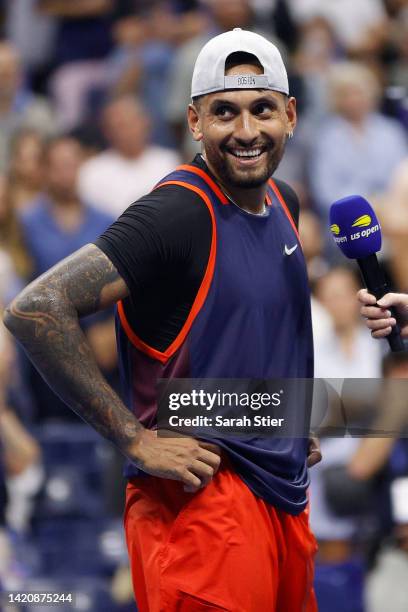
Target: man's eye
[262, 109]
[225, 112]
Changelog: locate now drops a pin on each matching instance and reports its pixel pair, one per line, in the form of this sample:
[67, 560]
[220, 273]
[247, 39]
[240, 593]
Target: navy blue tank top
[250, 319]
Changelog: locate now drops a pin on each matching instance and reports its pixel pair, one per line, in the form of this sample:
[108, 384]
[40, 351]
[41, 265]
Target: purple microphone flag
[355, 227]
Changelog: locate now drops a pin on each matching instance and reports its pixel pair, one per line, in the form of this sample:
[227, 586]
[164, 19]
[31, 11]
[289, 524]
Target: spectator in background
[18, 106]
[18, 189]
[83, 28]
[316, 51]
[393, 214]
[338, 355]
[26, 171]
[145, 45]
[399, 41]
[83, 41]
[131, 166]
[356, 148]
[15, 261]
[360, 27]
[32, 33]
[394, 7]
[277, 16]
[312, 240]
[20, 452]
[311, 234]
[396, 75]
[16, 268]
[20, 464]
[58, 223]
[348, 350]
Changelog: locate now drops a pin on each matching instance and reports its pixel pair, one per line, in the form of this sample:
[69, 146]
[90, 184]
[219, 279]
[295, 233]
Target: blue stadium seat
[75, 459]
[81, 547]
[71, 444]
[67, 493]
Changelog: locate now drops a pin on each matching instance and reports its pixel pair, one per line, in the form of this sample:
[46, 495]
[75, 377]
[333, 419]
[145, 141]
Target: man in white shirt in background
[131, 166]
[358, 26]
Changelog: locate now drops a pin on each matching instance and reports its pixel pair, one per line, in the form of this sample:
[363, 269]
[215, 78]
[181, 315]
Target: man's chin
[249, 179]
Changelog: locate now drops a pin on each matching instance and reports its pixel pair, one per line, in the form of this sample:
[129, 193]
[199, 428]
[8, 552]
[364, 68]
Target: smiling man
[242, 115]
[210, 282]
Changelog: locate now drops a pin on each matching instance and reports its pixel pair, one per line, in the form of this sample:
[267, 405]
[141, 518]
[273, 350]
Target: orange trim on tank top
[220, 195]
[284, 206]
[212, 184]
[199, 300]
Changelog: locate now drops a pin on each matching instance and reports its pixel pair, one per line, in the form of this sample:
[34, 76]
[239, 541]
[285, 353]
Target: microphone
[357, 232]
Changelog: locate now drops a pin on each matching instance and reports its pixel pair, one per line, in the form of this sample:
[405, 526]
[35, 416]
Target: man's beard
[247, 178]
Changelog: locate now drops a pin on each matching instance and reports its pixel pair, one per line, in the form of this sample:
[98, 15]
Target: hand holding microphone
[379, 318]
[356, 231]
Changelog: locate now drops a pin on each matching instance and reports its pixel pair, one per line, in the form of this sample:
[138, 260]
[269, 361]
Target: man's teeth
[247, 153]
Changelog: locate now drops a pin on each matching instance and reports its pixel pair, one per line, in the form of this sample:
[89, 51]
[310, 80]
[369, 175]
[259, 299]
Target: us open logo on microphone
[364, 221]
[335, 230]
[355, 227]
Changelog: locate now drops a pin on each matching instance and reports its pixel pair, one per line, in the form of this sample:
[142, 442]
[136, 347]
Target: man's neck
[251, 200]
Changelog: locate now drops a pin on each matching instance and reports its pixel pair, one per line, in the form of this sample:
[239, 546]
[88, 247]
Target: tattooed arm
[44, 317]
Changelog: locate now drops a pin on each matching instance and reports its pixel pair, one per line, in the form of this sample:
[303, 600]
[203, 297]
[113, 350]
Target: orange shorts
[221, 548]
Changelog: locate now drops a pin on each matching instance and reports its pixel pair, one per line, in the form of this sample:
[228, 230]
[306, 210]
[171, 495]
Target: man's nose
[246, 131]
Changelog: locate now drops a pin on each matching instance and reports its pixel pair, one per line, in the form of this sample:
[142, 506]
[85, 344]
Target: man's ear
[194, 122]
[291, 114]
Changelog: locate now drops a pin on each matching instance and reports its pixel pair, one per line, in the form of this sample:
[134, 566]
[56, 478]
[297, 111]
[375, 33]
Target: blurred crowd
[93, 98]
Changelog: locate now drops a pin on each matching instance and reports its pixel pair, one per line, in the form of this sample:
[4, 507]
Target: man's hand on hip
[191, 461]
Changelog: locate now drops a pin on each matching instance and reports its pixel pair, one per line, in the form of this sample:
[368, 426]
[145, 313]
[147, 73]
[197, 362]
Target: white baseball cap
[209, 69]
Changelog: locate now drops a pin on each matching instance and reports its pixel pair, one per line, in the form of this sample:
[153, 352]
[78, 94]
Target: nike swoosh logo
[290, 251]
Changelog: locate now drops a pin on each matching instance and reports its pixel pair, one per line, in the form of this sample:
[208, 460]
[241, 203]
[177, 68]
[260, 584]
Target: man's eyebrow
[221, 102]
[266, 100]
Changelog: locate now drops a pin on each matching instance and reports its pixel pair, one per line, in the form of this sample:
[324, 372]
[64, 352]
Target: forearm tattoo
[44, 318]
